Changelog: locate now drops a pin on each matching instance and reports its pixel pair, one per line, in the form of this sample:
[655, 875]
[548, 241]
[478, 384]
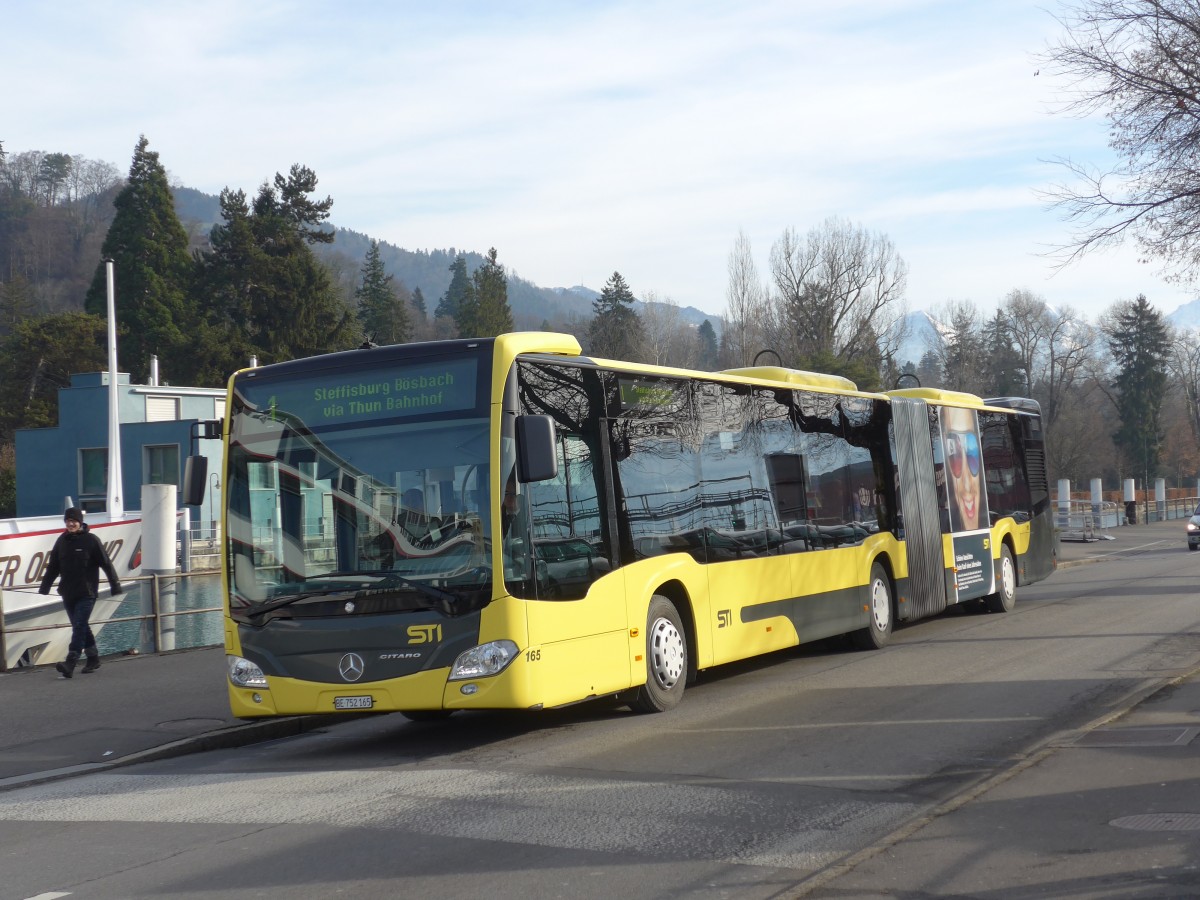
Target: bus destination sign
[373, 394]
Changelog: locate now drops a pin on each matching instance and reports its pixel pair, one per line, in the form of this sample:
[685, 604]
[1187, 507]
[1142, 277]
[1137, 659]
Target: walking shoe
[92, 664]
[66, 668]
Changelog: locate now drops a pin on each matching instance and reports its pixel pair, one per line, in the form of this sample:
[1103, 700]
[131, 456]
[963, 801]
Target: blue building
[156, 438]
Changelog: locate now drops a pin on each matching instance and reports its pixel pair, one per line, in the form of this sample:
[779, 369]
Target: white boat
[34, 624]
[33, 631]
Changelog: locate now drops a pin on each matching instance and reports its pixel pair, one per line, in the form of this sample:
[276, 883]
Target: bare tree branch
[1137, 63]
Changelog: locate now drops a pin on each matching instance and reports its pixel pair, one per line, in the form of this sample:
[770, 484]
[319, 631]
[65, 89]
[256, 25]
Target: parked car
[1193, 530]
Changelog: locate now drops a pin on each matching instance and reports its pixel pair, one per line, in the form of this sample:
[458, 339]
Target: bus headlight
[483, 661]
[244, 673]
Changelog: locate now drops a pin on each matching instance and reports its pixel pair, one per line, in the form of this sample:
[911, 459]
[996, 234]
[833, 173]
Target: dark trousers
[79, 611]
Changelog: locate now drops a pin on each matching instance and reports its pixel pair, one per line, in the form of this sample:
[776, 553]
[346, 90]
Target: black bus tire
[666, 659]
[881, 612]
[1005, 597]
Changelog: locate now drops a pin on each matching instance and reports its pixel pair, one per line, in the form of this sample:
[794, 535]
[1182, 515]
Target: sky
[583, 138]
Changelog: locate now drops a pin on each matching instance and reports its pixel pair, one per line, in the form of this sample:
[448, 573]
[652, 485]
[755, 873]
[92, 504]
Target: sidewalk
[1125, 540]
[136, 708]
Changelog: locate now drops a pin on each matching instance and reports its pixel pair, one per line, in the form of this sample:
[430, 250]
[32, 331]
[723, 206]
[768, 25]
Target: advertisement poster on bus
[964, 497]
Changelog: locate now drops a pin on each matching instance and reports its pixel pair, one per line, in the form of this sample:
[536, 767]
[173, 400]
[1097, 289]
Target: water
[192, 592]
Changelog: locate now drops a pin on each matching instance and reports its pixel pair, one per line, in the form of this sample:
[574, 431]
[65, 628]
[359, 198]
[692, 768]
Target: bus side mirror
[195, 477]
[537, 456]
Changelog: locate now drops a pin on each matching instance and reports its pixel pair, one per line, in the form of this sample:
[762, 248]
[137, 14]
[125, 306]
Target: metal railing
[1083, 520]
[200, 549]
[157, 631]
[1164, 510]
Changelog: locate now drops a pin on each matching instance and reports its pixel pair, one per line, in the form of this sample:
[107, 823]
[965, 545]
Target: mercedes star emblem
[351, 667]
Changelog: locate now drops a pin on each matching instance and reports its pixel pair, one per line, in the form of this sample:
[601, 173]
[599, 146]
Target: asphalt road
[956, 762]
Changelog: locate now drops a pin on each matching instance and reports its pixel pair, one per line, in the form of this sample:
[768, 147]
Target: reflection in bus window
[1007, 486]
[736, 487]
[566, 519]
[656, 473]
[365, 499]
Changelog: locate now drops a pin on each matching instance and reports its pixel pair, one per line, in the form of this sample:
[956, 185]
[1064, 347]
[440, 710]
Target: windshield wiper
[446, 601]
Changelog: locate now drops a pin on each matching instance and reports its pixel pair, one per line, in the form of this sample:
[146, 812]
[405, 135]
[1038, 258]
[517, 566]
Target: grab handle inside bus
[537, 459]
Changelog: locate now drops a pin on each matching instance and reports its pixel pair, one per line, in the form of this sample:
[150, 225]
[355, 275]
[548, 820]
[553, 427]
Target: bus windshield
[332, 509]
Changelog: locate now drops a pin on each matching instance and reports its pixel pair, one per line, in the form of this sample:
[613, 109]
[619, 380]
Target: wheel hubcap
[1008, 577]
[666, 653]
[881, 605]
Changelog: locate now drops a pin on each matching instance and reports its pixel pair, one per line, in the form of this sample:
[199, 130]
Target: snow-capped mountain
[1187, 317]
[921, 333]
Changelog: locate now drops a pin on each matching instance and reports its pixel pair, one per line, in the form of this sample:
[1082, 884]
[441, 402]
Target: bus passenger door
[576, 614]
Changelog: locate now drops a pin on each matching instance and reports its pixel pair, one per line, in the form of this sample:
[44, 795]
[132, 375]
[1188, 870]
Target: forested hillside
[205, 283]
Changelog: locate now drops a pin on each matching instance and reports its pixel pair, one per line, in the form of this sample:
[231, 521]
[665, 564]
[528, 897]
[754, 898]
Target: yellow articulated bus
[506, 523]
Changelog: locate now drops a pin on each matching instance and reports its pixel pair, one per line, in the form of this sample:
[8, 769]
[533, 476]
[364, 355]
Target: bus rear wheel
[879, 624]
[1005, 597]
[666, 659]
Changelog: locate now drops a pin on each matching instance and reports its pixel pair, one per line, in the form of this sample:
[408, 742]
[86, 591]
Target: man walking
[78, 556]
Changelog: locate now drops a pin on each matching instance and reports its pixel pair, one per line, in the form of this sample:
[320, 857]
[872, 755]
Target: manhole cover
[1159, 822]
[1152, 736]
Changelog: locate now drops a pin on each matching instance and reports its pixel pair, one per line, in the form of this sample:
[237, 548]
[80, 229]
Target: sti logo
[724, 618]
[424, 634]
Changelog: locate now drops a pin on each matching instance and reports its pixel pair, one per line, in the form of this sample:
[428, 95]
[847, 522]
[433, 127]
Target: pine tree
[418, 302]
[1138, 340]
[1003, 372]
[707, 337]
[16, 303]
[8, 475]
[38, 358]
[382, 314]
[929, 369]
[152, 268]
[458, 295]
[492, 314]
[268, 294]
[615, 328]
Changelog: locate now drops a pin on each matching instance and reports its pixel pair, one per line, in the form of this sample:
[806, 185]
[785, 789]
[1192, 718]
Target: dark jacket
[78, 559]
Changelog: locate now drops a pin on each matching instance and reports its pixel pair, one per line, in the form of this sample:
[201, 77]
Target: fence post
[159, 546]
[185, 546]
[1064, 504]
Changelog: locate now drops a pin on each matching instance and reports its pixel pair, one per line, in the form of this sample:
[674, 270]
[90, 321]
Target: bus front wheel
[666, 659]
[879, 624]
[1005, 597]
